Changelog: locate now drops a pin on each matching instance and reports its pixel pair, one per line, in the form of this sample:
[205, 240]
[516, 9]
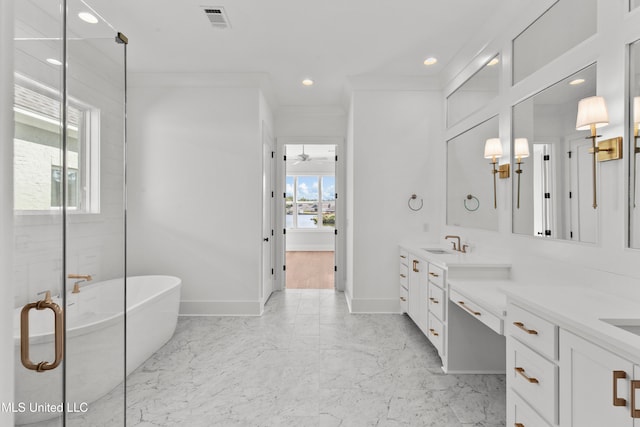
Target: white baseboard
[382, 306]
[310, 248]
[220, 308]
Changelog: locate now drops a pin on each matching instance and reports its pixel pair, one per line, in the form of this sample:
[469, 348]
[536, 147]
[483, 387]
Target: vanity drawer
[436, 275]
[404, 275]
[521, 414]
[404, 299]
[491, 320]
[437, 301]
[534, 378]
[404, 257]
[436, 333]
[537, 333]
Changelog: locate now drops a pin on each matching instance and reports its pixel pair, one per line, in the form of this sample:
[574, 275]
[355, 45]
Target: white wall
[6, 207]
[607, 264]
[194, 189]
[392, 152]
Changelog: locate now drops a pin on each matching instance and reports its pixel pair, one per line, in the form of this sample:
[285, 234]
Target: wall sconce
[592, 114]
[493, 151]
[521, 151]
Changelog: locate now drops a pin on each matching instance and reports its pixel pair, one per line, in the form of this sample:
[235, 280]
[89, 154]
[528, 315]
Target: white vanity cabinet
[426, 287]
[596, 386]
[404, 281]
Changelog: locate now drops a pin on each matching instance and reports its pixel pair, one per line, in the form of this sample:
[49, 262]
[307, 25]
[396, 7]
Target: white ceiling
[328, 41]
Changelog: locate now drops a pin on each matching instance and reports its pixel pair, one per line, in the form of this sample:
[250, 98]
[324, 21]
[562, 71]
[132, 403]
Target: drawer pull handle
[415, 265]
[403, 276]
[532, 380]
[403, 299]
[520, 325]
[403, 256]
[618, 401]
[635, 386]
[518, 425]
[433, 274]
[433, 332]
[475, 313]
[435, 301]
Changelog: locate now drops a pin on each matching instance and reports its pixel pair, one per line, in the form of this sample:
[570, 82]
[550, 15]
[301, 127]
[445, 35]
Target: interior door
[583, 217]
[268, 216]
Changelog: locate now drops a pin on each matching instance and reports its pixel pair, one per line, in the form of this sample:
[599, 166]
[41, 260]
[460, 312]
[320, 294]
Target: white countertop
[453, 258]
[489, 294]
[579, 310]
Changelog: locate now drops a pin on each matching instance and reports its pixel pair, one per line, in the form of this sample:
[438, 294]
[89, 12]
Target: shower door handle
[58, 334]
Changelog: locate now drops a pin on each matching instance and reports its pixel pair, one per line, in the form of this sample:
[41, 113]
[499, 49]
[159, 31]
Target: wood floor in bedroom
[310, 269]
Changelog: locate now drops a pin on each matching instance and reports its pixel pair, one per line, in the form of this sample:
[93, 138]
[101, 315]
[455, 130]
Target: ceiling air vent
[217, 17]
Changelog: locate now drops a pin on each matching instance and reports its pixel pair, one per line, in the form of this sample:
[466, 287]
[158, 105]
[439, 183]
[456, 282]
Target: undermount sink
[629, 325]
[436, 251]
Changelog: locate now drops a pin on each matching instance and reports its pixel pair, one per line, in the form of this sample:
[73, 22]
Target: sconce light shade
[636, 110]
[492, 148]
[521, 148]
[592, 111]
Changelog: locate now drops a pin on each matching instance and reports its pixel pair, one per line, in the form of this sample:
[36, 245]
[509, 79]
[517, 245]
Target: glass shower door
[69, 216]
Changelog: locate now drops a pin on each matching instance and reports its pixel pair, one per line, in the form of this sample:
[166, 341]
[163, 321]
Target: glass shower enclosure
[69, 216]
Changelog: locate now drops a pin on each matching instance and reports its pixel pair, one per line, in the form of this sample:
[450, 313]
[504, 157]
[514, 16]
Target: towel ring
[474, 201]
[414, 197]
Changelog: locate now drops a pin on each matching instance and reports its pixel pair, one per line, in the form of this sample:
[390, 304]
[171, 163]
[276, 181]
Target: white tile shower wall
[95, 241]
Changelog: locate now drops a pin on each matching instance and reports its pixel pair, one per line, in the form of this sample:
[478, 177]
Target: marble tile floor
[305, 362]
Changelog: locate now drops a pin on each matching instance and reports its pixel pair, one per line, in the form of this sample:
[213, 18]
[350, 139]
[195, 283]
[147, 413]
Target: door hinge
[273, 194]
[273, 154]
[285, 158]
[570, 194]
[336, 157]
[272, 232]
[546, 157]
[547, 195]
[335, 268]
[569, 153]
[273, 272]
[284, 268]
[284, 231]
[571, 234]
[336, 195]
[547, 232]
[335, 232]
[284, 195]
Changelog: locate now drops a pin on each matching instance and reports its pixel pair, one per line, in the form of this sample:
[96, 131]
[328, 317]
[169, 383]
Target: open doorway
[310, 216]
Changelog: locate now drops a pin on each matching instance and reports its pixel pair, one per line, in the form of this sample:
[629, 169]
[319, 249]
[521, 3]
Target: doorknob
[266, 239]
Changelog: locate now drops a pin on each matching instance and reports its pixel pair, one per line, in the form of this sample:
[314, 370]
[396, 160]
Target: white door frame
[268, 270]
[340, 241]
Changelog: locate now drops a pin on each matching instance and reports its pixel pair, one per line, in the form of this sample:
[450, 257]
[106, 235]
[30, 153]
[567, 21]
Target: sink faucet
[459, 247]
[76, 285]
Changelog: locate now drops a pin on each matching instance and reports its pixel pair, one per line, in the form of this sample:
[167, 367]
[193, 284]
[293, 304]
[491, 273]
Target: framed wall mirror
[474, 94]
[470, 190]
[634, 145]
[552, 181]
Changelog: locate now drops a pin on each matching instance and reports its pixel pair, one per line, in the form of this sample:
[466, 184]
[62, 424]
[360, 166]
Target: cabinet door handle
[435, 301]
[403, 276]
[635, 386]
[434, 274]
[520, 325]
[433, 332]
[521, 371]
[475, 313]
[403, 299]
[618, 401]
[415, 265]
[402, 256]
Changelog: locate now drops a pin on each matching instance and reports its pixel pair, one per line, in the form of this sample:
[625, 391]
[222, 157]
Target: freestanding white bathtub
[95, 341]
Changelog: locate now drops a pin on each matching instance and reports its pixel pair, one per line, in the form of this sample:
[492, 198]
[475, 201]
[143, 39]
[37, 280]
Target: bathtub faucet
[76, 285]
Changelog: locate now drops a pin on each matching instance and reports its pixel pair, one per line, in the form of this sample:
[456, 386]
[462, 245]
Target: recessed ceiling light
[493, 62]
[576, 82]
[430, 60]
[53, 61]
[87, 17]
[307, 82]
